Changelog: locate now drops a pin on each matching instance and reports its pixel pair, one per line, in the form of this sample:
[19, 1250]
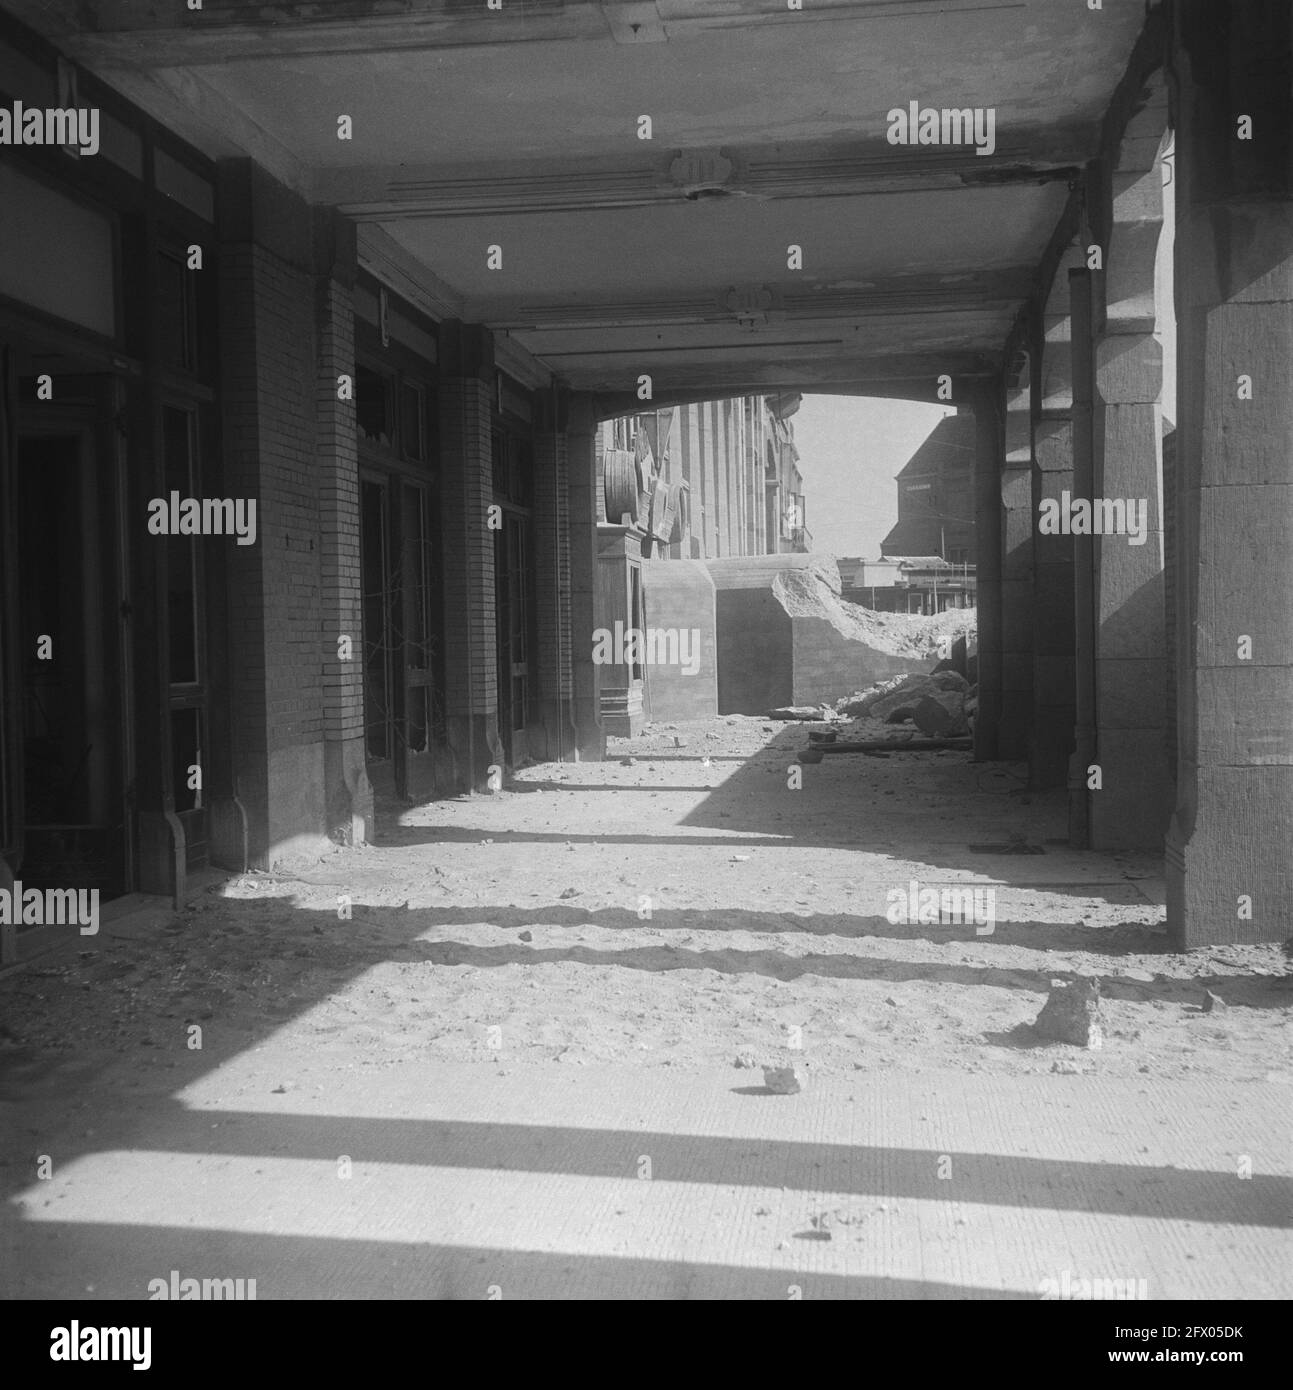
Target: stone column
[1083, 759]
[987, 403]
[1017, 623]
[1132, 804]
[1229, 867]
[1054, 671]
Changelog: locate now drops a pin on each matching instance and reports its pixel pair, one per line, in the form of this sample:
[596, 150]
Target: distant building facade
[688, 483]
[726, 473]
[932, 544]
[936, 497]
[914, 584]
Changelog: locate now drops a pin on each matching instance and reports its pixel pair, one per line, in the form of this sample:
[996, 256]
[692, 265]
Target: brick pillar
[1054, 638]
[1132, 805]
[581, 461]
[1229, 870]
[987, 404]
[466, 494]
[552, 575]
[349, 794]
[269, 373]
[1017, 624]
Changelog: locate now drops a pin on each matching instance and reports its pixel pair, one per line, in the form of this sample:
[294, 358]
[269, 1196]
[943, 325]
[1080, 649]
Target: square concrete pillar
[1229, 869]
[1131, 807]
[989, 456]
[1053, 639]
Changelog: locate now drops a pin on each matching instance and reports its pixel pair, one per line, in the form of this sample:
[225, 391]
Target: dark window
[417, 584]
[177, 327]
[374, 406]
[513, 468]
[413, 422]
[378, 682]
[179, 444]
[636, 670]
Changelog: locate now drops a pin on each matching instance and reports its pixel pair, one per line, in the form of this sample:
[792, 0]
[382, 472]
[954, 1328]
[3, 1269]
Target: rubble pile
[943, 704]
[814, 591]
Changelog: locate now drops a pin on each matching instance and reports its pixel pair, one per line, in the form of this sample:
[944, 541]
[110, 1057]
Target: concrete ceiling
[518, 128]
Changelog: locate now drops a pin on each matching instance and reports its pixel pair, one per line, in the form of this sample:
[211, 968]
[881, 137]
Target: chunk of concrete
[784, 1081]
[941, 715]
[1071, 1014]
[803, 712]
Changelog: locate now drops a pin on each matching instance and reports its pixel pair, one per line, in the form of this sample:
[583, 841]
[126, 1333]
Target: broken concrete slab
[899, 704]
[941, 715]
[815, 713]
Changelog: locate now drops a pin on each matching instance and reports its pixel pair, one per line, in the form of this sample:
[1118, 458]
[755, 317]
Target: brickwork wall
[552, 563]
[337, 467]
[269, 423]
[466, 494]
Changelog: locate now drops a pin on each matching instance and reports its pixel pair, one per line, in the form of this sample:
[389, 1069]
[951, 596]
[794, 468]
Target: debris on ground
[796, 934]
[813, 591]
[1071, 1014]
[941, 715]
[805, 713]
[884, 746]
[784, 1081]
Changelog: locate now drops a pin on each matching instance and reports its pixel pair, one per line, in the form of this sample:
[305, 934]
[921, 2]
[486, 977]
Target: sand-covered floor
[679, 905]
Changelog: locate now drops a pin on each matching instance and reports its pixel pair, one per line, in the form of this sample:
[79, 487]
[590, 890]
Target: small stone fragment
[1213, 1003]
[1071, 1014]
[783, 1081]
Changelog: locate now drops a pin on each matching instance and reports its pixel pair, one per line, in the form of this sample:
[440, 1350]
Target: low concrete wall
[680, 594]
[827, 665]
[755, 651]
[770, 655]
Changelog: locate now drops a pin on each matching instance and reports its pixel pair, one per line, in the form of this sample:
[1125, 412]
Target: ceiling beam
[143, 31]
[908, 378]
[840, 169]
[960, 291]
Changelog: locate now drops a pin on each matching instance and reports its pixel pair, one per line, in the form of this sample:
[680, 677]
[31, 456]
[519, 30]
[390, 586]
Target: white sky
[850, 447]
